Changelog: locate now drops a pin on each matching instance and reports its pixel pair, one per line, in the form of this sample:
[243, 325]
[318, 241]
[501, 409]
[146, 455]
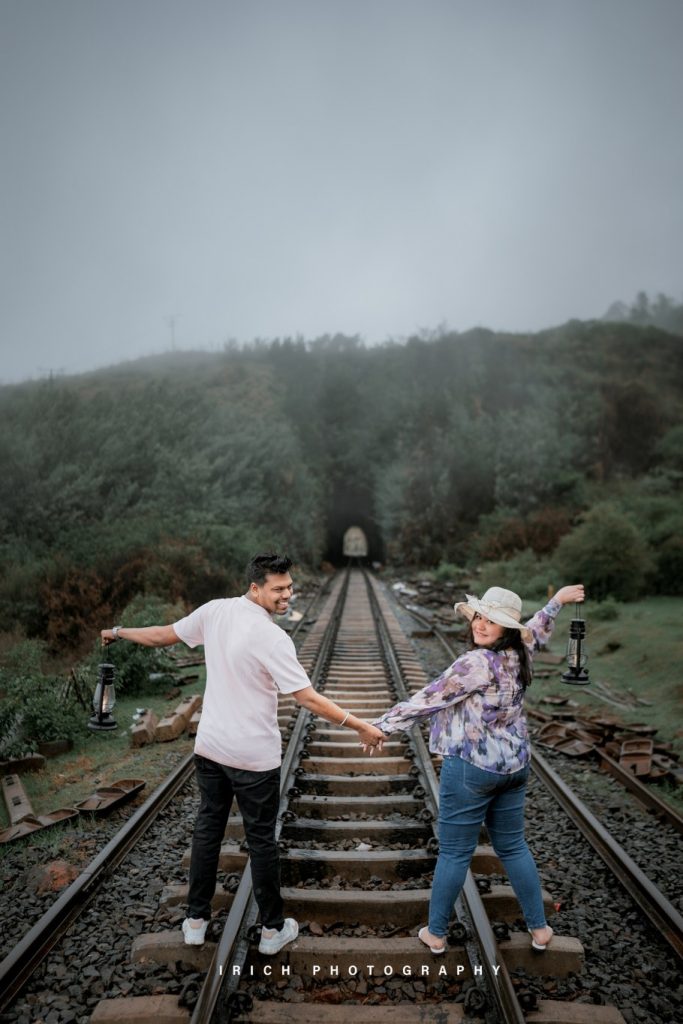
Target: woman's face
[484, 631]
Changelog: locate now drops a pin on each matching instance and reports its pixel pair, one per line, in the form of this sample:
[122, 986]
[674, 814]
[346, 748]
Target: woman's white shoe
[540, 946]
[436, 950]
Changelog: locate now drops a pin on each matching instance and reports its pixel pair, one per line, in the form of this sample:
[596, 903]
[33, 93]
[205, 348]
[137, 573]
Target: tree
[640, 310]
[607, 553]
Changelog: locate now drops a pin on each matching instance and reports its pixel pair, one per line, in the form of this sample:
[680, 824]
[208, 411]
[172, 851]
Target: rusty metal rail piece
[641, 792]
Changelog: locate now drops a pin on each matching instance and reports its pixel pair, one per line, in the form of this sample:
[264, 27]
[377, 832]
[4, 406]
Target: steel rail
[649, 898]
[644, 795]
[317, 596]
[648, 800]
[500, 984]
[33, 948]
[233, 947]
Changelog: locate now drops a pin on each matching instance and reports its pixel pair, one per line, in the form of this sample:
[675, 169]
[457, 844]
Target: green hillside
[162, 475]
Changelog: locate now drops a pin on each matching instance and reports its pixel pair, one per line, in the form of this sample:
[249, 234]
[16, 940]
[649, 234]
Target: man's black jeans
[258, 798]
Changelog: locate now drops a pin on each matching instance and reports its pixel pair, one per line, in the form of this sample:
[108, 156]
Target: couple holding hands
[477, 725]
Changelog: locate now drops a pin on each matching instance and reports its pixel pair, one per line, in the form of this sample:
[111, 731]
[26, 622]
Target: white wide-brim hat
[503, 607]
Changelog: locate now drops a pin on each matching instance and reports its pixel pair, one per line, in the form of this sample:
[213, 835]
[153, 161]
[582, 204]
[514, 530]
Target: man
[238, 745]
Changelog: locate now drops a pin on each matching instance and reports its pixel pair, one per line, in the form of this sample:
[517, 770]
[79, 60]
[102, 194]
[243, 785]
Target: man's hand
[147, 636]
[370, 737]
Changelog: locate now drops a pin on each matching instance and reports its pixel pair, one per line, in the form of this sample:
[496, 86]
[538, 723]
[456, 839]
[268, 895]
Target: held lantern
[577, 673]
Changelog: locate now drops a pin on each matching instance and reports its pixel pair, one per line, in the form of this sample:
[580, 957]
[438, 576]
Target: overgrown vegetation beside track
[97, 759]
[40, 706]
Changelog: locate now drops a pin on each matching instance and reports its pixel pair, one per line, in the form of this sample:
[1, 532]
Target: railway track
[647, 799]
[358, 851]
[346, 830]
[33, 948]
[358, 923]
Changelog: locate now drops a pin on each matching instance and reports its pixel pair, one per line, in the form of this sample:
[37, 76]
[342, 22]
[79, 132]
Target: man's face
[274, 593]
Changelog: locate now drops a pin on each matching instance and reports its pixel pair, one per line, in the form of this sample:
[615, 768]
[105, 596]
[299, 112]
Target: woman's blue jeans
[469, 797]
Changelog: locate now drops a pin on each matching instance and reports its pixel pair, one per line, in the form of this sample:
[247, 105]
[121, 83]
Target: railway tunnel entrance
[351, 506]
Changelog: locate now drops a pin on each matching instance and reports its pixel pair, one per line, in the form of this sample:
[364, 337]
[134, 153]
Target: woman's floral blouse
[477, 705]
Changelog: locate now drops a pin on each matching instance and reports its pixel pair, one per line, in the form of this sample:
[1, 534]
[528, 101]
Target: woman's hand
[370, 736]
[573, 594]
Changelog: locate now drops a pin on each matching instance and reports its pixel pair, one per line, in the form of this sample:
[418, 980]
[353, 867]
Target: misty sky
[266, 168]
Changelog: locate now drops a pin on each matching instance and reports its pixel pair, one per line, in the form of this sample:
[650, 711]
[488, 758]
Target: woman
[478, 726]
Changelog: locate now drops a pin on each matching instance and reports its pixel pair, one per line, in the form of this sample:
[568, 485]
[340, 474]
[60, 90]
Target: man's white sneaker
[272, 940]
[194, 930]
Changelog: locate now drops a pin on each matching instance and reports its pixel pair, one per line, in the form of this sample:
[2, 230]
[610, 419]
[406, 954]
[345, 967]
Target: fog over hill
[161, 476]
[179, 174]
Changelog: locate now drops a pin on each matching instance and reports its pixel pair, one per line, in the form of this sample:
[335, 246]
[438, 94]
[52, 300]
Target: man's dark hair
[261, 565]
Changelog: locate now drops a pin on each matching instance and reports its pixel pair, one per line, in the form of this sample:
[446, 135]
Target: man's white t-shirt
[248, 659]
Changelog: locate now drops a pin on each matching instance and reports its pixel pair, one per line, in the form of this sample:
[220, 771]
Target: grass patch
[638, 653]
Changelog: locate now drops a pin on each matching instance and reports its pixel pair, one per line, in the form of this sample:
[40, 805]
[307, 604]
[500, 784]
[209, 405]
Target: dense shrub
[33, 708]
[500, 535]
[605, 611]
[134, 663]
[525, 573]
[668, 575]
[654, 504]
[606, 553]
[670, 448]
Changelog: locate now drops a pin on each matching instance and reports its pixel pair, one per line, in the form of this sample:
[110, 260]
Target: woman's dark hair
[261, 566]
[510, 638]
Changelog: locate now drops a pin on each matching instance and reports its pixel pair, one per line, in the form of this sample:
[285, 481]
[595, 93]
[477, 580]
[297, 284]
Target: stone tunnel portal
[351, 508]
